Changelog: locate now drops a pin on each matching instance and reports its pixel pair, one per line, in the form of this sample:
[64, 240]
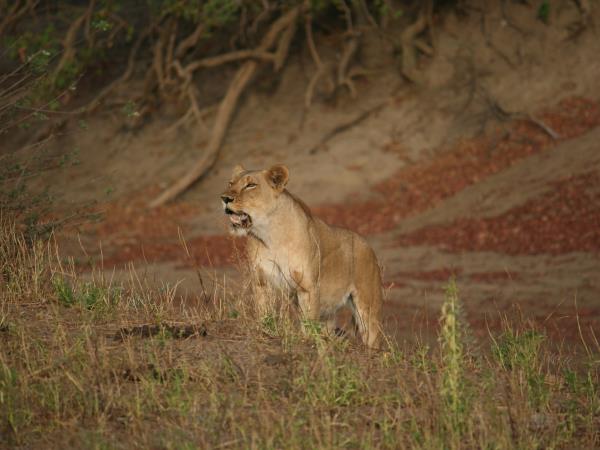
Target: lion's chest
[279, 269]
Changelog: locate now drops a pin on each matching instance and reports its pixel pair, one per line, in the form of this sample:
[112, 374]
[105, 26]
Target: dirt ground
[489, 171]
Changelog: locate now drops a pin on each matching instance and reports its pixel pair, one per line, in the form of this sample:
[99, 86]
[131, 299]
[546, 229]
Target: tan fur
[290, 250]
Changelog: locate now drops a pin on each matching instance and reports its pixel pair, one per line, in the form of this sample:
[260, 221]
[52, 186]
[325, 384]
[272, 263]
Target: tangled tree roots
[166, 49]
[274, 49]
[284, 29]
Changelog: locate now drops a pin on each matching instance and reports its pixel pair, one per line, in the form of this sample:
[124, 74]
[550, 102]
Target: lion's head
[252, 195]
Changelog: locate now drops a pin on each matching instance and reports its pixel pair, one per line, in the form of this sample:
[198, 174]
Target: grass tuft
[452, 380]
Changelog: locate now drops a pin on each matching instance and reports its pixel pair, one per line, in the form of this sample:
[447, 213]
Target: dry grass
[89, 364]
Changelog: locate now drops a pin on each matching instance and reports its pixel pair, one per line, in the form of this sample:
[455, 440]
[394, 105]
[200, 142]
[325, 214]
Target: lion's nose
[226, 199]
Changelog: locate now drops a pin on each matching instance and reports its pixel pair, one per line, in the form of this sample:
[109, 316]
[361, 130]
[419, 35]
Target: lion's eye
[249, 186]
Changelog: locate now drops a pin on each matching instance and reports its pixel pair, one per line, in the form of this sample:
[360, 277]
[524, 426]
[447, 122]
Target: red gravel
[441, 275]
[132, 232]
[131, 217]
[204, 251]
[417, 188]
[493, 277]
[567, 219]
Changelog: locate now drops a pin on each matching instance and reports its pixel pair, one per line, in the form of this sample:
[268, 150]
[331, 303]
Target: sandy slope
[433, 158]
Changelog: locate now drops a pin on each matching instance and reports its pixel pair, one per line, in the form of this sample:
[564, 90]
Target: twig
[15, 14]
[312, 84]
[121, 25]
[347, 15]
[193, 263]
[343, 77]
[169, 55]
[193, 111]
[489, 41]
[283, 46]
[575, 29]
[322, 69]
[69, 40]
[128, 72]
[501, 113]
[310, 40]
[190, 41]
[9, 94]
[157, 60]
[423, 47]
[345, 126]
[409, 56]
[264, 15]
[509, 21]
[214, 61]
[531, 118]
[89, 36]
[365, 11]
[25, 117]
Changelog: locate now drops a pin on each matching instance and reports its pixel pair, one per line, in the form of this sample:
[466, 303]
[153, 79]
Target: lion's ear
[278, 176]
[237, 170]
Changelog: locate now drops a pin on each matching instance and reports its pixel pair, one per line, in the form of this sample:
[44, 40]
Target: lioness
[324, 267]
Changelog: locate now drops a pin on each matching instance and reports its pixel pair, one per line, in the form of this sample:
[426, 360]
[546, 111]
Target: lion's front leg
[309, 303]
[263, 295]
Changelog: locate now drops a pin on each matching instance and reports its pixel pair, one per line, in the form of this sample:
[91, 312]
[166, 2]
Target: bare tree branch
[409, 56]
[215, 61]
[69, 48]
[14, 14]
[124, 77]
[322, 69]
[190, 41]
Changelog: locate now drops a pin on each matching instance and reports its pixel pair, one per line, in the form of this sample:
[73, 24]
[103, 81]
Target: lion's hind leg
[365, 304]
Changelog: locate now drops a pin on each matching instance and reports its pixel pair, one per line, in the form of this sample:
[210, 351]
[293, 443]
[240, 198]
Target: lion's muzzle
[239, 219]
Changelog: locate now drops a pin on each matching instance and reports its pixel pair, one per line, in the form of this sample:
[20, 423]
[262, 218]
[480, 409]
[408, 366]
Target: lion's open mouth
[239, 219]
